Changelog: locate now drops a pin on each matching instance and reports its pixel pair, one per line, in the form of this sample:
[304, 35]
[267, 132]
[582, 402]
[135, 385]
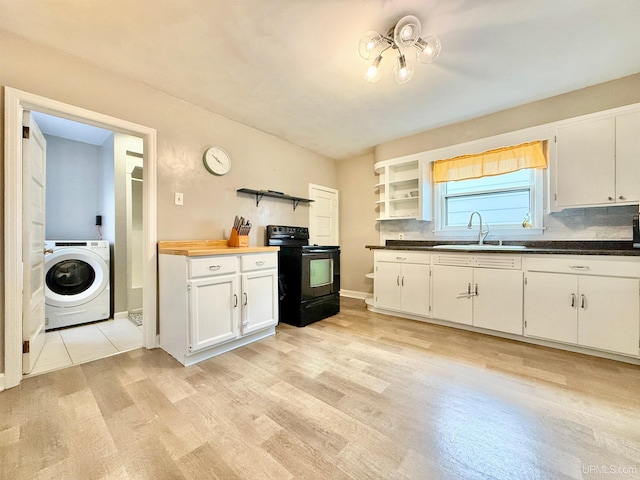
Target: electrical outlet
[401, 236]
[178, 198]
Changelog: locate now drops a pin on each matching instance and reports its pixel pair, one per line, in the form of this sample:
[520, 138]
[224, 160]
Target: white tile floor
[85, 343]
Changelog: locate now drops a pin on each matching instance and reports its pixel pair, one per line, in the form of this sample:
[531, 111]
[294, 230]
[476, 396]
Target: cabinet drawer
[207, 266]
[584, 265]
[258, 261]
[401, 256]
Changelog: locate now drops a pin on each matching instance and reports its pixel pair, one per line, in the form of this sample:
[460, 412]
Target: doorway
[16, 102]
[88, 170]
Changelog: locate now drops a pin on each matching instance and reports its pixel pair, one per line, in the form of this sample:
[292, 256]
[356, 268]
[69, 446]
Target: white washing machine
[77, 285]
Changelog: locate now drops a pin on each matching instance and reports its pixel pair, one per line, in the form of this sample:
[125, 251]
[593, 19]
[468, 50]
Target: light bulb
[402, 73]
[428, 49]
[370, 45]
[373, 73]
[406, 32]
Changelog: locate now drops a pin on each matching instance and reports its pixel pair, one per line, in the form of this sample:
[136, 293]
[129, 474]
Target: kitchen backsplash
[608, 223]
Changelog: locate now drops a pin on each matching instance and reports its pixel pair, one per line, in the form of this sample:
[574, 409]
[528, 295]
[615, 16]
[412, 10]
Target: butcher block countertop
[199, 248]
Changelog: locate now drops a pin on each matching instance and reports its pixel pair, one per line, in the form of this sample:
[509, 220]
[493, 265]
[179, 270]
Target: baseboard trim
[1, 382]
[120, 315]
[354, 294]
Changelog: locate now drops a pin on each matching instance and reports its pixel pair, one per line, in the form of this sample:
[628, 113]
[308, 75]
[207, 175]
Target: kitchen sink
[476, 246]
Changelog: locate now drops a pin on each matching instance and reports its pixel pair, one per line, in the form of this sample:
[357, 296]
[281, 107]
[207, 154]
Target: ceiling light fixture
[404, 34]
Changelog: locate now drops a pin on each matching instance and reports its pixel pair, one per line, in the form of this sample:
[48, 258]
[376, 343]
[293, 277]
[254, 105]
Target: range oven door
[320, 272]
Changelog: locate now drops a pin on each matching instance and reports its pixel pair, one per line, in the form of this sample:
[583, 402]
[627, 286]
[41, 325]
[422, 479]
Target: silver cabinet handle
[398, 280]
[402, 281]
[235, 300]
[246, 298]
[401, 258]
[579, 267]
[583, 302]
[573, 300]
[610, 199]
[475, 291]
[214, 267]
[621, 197]
[468, 288]
[260, 263]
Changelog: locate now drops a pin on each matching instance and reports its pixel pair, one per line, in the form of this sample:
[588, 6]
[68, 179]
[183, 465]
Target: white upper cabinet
[597, 162]
[404, 189]
[628, 157]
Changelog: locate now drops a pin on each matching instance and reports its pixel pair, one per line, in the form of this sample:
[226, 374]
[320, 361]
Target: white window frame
[536, 209]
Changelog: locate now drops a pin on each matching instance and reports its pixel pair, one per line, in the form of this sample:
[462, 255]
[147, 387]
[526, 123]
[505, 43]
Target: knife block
[236, 240]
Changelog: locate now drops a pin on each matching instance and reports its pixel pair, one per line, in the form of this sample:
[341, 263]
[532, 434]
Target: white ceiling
[291, 67]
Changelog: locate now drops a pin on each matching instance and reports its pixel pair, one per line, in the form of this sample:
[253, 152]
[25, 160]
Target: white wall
[74, 185]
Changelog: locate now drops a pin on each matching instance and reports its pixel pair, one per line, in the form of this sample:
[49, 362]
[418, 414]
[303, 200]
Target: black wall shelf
[273, 194]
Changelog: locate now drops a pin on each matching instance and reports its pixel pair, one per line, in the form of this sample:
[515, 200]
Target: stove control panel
[285, 235]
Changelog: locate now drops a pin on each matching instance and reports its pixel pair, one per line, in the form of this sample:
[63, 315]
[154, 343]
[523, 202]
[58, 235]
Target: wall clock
[216, 161]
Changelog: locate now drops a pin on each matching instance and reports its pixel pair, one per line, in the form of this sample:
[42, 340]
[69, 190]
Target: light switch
[178, 198]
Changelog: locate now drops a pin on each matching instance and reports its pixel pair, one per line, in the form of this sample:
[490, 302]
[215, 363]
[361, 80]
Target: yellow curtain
[491, 162]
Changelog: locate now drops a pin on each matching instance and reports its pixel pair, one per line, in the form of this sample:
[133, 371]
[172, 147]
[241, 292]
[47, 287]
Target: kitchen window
[505, 200]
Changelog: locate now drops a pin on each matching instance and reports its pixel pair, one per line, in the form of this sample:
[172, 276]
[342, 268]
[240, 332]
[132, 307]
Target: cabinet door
[551, 306]
[498, 304]
[213, 311]
[628, 157]
[609, 314]
[387, 285]
[450, 300]
[585, 163]
[259, 300]
[414, 283]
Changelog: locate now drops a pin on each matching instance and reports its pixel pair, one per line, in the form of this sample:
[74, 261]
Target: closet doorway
[16, 103]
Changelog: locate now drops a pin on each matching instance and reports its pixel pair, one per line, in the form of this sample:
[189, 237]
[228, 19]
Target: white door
[33, 217]
[452, 299]
[551, 306]
[386, 285]
[608, 317]
[259, 300]
[414, 281]
[585, 165]
[498, 304]
[323, 215]
[213, 311]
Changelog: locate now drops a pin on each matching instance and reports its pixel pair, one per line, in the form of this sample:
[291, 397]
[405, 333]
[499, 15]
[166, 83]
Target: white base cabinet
[402, 281]
[587, 310]
[488, 297]
[212, 304]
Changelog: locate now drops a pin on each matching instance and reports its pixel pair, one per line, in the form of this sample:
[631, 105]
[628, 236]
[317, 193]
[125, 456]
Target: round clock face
[217, 161]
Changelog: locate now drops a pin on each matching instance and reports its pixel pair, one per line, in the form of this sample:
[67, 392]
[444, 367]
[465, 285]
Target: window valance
[492, 162]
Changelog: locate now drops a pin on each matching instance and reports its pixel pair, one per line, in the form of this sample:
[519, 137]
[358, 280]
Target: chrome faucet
[482, 234]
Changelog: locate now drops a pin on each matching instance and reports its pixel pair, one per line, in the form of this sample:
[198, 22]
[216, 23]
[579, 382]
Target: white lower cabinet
[582, 300]
[482, 297]
[590, 311]
[212, 304]
[402, 282]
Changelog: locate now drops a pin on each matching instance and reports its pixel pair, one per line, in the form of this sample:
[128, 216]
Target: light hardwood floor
[356, 396]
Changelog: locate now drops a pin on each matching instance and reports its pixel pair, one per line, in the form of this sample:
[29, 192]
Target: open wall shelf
[259, 194]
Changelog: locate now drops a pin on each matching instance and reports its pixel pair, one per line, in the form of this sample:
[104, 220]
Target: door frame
[15, 103]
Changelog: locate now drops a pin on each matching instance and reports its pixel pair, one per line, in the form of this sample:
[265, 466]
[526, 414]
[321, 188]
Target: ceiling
[291, 67]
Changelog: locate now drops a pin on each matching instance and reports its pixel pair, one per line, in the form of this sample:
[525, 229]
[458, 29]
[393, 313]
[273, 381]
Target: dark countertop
[558, 247]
